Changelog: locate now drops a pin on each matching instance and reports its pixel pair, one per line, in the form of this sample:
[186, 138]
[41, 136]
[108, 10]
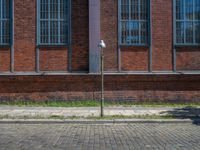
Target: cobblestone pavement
[136, 136]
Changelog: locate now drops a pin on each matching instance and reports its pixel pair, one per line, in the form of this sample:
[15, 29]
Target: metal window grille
[5, 22]
[53, 22]
[133, 22]
[187, 22]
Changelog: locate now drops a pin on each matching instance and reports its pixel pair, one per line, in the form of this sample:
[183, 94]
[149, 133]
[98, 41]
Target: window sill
[190, 45]
[134, 47]
[5, 46]
[53, 45]
[57, 73]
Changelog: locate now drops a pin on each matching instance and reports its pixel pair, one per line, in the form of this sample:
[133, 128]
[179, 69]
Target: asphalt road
[138, 136]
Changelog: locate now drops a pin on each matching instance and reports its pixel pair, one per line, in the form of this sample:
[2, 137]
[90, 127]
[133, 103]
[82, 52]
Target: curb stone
[84, 121]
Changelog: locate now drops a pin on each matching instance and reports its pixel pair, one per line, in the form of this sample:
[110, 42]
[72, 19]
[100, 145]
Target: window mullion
[119, 22]
[139, 22]
[129, 22]
[1, 18]
[193, 23]
[49, 31]
[38, 22]
[59, 22]
[175, 21]
[184, 18]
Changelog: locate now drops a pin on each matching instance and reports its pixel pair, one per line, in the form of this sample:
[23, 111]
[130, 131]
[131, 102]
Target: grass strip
[93, 103]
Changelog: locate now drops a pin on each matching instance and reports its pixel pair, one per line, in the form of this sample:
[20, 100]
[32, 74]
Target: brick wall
[188, 58]
[134, 58]
[109, 32]
[80, 35]
[118, 87]
[25, 35]
[54, 59]
[174, 88]
[162, 35]
[4, 59]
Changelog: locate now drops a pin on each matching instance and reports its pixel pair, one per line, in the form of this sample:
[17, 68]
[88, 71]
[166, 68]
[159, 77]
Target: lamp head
[102, 44]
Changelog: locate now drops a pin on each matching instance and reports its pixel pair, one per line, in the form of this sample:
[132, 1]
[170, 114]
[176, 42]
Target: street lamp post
[102, 45]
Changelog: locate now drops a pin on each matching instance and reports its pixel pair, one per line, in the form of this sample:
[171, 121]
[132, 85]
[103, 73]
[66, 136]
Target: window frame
[68, 19]
[148, 28]
[184, 20]
[10, 26]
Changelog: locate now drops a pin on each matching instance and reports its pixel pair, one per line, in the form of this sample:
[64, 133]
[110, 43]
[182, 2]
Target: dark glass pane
[189, 9]
[64, 9]
[0, 10]
[125, 10]
[54, 9]
[197, 33]
[0, 23]
[134, 33]
[189, 32]
[135, 9]
[180, 32]
[179, 10]
[44, 9]
[0, 35]
[197, 10]
[143, 32]
[6, 10]
[124, 32]
[63, 31]
[44, 34]
[54, 32]
[143, 9]
[5, 31]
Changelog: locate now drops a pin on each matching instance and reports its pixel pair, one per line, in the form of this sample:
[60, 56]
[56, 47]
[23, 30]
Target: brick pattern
[109, 32]
[87, 87]
[54, 59]
[129, 88]
[80, 35]
[4, 60]
[134, 58]
[188, 58]
[25, 35]
[162, 35]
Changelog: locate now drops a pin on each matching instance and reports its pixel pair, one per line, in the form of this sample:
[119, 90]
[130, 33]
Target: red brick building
[48, 49]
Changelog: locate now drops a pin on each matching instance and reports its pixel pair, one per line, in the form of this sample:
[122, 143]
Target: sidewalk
[46, 112]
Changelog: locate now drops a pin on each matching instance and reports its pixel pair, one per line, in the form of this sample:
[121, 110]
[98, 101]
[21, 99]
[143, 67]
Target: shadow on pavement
[192, 113]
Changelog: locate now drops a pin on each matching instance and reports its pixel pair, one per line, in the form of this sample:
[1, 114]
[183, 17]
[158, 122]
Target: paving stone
[136, 136]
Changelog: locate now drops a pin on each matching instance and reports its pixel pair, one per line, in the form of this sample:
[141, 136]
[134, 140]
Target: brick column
[94, 36]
